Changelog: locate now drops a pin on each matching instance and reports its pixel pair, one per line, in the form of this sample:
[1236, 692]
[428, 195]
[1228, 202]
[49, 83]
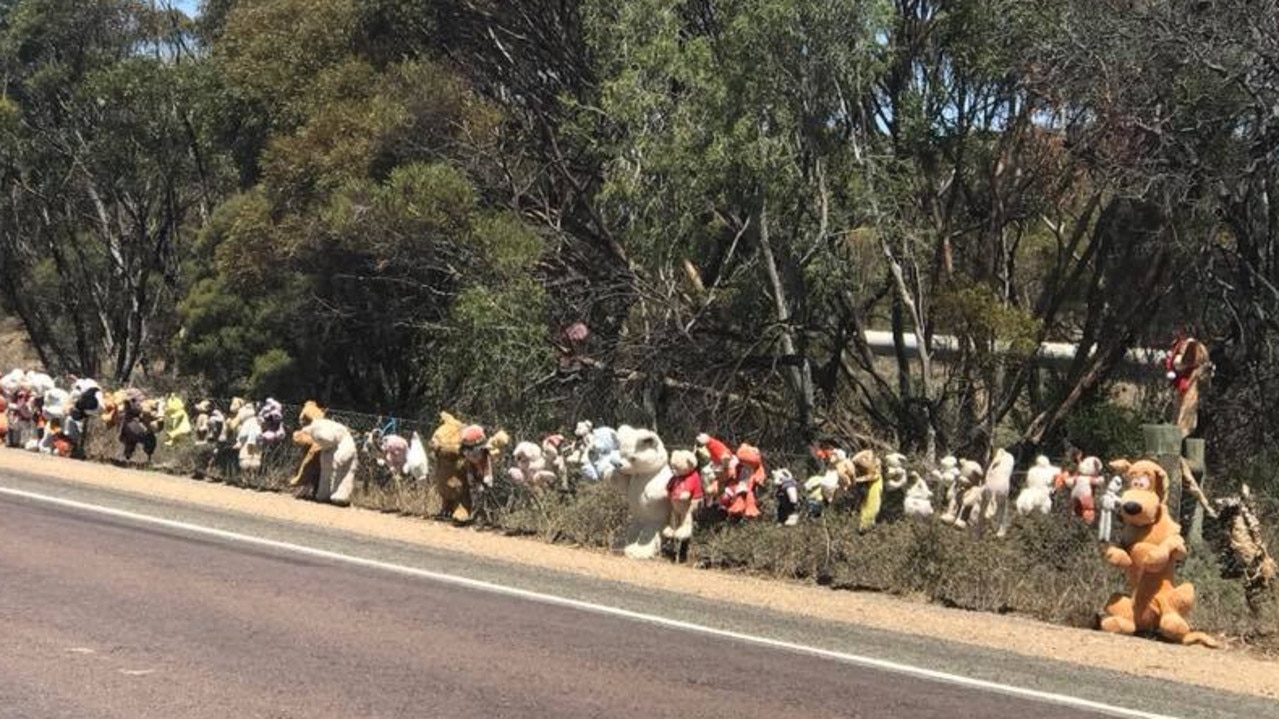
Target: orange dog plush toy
[1151, 545]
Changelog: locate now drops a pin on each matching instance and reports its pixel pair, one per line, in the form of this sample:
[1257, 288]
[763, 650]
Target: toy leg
[1087, 511]
[1001, 511]
[1118, 618]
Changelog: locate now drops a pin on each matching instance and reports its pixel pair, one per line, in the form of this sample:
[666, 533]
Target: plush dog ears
[1120, 465]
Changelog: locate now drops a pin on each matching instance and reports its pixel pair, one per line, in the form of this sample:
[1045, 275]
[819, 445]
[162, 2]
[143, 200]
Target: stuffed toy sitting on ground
[177, 424]
[598, 445]
[787, 495]
[684, 490]
[919, 498]
[339, 459]
[1150, 546]
[247, 431]
[395, 454]
[138, 417]
[306, 480]
[1036, 495]
[56, 407]
[532, 467]
[641, 469]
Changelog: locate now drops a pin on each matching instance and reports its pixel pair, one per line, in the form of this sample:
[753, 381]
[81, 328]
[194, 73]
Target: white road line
[857, 659]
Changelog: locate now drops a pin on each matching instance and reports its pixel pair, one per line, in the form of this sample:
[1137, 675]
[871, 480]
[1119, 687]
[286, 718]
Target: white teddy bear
[1037, 494]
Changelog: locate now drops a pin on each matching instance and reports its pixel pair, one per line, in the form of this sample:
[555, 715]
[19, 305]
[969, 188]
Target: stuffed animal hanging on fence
[787, 495]
[684, 490]
[1186, 364]
[1109, 506]
[1036, 495]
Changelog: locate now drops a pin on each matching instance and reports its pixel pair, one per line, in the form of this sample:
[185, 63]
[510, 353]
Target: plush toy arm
[792, 494]
[1176, 546]
[1118, 557]
[1151, 557]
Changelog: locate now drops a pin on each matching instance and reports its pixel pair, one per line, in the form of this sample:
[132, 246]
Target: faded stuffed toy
[994, 493]
[248, 435]
[1109, 506]
[1087, 476]
[462, 456]
[271, 422]
[1150, 546]
[737, 494]
[821, 489]
[642, 471]
[306, 480]
[339, 459]
[177, 423]
[862, 474]
[1186, 364]
[919, 498]
[1036, 495]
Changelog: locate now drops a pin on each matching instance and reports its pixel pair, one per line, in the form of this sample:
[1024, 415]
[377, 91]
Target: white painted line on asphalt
[857, 659]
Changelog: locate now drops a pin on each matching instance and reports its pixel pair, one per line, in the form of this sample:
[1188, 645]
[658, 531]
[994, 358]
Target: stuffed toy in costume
[822, 488]
[1087, 476]
[1109, 506]
[177, 423]
[788, 499]
[1150, 545]
[994, 493]
[719, 464]
[1187, 363]
[642, 470]
[919, 498]
[737, 494]
[416, 464]
[862, 473]
[306, 480]
[338, 459]
[271, 421]
[1036, 495]
[684, 490]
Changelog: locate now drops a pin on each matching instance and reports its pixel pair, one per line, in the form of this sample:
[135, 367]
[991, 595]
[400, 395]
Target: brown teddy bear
[462, 455]
[305, 480]
[1151, 544]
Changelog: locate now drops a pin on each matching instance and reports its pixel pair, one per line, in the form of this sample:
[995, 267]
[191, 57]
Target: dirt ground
[1226, 669]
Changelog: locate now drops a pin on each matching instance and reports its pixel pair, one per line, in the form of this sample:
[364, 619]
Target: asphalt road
[106, 617]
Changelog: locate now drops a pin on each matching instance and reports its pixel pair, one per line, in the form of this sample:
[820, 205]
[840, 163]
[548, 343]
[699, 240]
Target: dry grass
[1048, 568]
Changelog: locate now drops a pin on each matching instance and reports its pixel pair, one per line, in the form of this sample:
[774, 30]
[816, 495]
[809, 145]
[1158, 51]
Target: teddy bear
[207, 431]
[177, 423]
[919, 498]
[641, 469]
[594, 451]
[684, 490]
[895, 472]
[1109, 505]
[395, 454]
[462, 456]
[306, 480]
[1087, 476]
[55, 407]
[822, 488]
[338, 459]
[737, 493]
[1150, 546]
[533, 468]
[787, 495]
[1036, 495]
[271, 422]
[22, 423]
[994, 493]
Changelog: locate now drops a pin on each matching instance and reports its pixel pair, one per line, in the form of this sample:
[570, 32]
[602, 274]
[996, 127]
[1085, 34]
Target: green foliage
[1105, 429]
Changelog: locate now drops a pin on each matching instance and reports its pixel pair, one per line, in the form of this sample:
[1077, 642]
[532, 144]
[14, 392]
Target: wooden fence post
[1194, 450]
[1163, 445]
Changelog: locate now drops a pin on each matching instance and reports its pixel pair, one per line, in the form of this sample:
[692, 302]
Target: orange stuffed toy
[1151, 545]
[305, 480]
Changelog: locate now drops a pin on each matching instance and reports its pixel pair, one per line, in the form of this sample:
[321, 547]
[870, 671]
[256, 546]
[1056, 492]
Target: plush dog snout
[1132, 507]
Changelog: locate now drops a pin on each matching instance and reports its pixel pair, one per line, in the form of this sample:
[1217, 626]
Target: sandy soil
[1231, 670]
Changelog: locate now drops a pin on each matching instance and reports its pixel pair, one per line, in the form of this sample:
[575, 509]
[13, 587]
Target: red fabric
[690, 482]
[1182, 379]
[718, 450]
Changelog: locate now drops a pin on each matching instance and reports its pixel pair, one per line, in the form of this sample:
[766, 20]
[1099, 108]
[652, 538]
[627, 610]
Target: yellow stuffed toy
[1150, 546]
[177, 424]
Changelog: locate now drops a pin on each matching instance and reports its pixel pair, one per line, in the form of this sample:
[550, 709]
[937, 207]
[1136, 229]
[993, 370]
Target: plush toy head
[582, 429]
[311, 411]
[640, 451]
[447, 438]
[1090, 467]
[782, 476]
[1116, 484]
[12, 382]
[866, 466]
[683, 462]
[1142, 503]
[204, 406]
[970, 472]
